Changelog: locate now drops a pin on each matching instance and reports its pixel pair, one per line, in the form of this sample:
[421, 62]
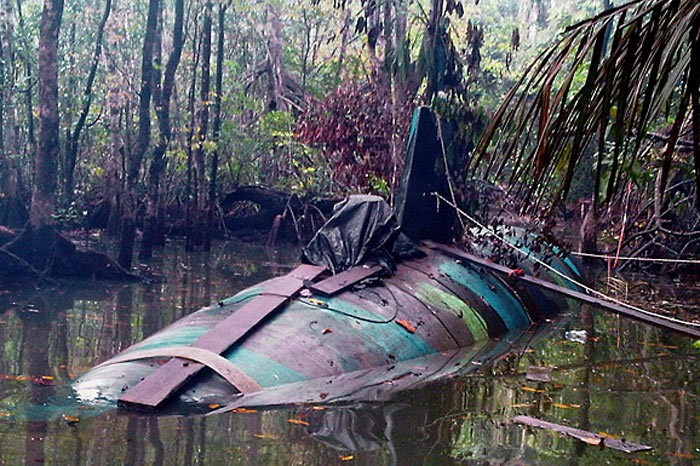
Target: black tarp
[362, 229]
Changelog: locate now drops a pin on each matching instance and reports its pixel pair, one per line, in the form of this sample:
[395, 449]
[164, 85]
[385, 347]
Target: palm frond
[605, 83]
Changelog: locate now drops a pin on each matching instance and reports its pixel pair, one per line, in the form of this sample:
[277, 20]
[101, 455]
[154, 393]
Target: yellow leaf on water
[243, 410]
[533, 390]
[214, 405]
[347, 458]
[300, 422]
[70, 419]
[565, 405]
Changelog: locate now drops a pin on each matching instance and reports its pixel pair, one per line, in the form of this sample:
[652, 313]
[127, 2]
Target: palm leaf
[553, 119]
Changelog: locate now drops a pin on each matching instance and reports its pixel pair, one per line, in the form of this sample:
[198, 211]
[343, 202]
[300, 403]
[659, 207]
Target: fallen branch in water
[583, 435]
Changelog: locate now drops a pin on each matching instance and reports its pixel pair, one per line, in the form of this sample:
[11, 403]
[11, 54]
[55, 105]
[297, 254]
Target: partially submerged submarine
[381, 303]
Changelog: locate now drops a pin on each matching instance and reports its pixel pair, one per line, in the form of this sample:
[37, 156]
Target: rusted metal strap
[222, 366]
[345, 279]
[171, 376]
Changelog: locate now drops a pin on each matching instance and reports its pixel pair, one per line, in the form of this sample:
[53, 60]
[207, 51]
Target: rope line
[492, 233]
[605, 257]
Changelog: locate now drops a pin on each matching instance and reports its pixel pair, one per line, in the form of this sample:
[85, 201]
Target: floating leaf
[70, 420]
[347, 458]
[327, 331]
[300, 422]
[243, 410]
[533, 390]
[565, 405]
[214, 405]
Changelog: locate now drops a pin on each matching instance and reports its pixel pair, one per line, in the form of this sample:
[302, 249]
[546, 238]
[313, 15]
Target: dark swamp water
[611, 376]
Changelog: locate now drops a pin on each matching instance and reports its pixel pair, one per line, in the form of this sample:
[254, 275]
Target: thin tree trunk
[275, 63]
[190, 193]
[128, 226]
[73, 141]
[4, 167]
[275, 93]
[44, 192]
[433, 37]
[114, 173]
[28, 99]
[153, 231]
[344, 41]
[203, 128]
[216, 127]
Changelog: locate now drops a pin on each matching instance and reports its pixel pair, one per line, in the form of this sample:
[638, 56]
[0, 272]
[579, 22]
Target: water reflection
[622, 379]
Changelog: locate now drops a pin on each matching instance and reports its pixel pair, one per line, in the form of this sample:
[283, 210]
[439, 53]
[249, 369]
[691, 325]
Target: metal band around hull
[213, 361]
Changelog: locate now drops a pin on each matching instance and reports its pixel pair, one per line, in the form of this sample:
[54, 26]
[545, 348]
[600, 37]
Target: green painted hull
[429, 308]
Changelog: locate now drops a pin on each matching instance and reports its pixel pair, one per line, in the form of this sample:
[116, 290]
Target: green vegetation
[159, 108]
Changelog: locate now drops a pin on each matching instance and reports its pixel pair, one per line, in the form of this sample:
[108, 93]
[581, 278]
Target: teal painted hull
[429, 308]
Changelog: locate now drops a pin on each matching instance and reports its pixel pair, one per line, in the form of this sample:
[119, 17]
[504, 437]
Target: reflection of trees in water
[621, 380]
[36, 334]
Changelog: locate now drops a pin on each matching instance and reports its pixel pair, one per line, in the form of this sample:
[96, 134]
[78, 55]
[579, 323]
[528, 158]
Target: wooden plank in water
[171, 376]
[344, 280]
[585, 436]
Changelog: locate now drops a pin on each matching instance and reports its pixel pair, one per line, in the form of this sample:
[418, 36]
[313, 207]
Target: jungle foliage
[610, 113]
[152, 111]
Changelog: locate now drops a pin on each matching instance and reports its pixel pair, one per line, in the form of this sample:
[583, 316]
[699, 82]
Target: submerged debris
[585, 436]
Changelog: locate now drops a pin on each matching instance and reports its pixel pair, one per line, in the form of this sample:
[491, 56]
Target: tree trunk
[199, 231]
[28, 99]
[153, 229]
[344, 41]
[274, 56]
[128, 226]
[113, 174]
[4, 167]
[74, 138]
[432, 39]
[216, 127]
[44, 192]
[190, 191]
[269, 164]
